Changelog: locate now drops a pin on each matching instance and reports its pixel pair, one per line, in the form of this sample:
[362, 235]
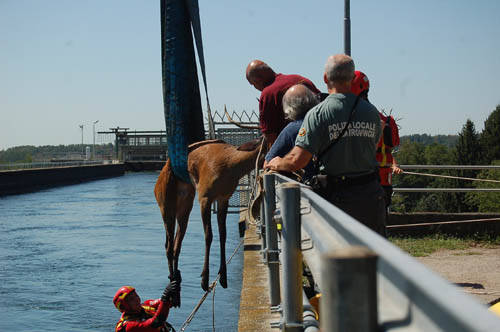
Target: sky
[69, 63]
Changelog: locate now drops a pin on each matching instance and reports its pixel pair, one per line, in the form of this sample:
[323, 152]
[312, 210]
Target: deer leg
[207, 227]
[165, 193]
[185, 200]
[169, 225]
[221, 222]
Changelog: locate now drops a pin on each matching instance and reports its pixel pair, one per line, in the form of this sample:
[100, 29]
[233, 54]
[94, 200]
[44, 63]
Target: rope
[450, 177]
[210, 288]
[443, 223]
[252, 193]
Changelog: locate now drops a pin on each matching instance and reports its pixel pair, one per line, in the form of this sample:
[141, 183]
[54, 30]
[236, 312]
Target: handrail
[49, 164]
[410, 296]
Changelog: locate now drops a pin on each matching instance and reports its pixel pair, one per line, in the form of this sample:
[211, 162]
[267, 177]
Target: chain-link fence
[226, 131]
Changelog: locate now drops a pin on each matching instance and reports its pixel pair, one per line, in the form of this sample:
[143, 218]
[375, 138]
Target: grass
[426, 245]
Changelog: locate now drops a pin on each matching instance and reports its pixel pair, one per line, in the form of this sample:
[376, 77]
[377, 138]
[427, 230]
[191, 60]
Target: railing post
[262, 230]
[349, 290]
[271, 239]
[291, 258]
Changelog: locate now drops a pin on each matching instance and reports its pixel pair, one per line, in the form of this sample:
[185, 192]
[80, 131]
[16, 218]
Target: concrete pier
[255, 313]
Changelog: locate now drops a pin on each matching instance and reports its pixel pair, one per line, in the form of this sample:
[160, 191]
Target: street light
[93, 149]
[83, 149]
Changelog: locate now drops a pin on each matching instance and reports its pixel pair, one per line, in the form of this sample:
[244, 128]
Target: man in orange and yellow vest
[148, 316]
[390, 138]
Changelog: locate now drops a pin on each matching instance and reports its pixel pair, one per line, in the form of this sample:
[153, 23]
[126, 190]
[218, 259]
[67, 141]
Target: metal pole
[83, 149]
[291, 258]
[309, 315]
[272, 240]
[347, 27]
[93, 146]
[262, 230]
[349, 290]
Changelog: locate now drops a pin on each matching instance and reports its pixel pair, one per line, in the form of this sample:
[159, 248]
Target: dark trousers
[365, 203]
[388, 195]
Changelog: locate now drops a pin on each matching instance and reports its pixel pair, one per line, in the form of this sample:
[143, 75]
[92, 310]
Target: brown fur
[215, 168]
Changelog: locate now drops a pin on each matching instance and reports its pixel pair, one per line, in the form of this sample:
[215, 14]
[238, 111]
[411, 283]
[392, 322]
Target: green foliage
[466, 148]
[490, 137]
[424, 246]
[29, 153]
[425, 139]
[486, 201]
[20, 154]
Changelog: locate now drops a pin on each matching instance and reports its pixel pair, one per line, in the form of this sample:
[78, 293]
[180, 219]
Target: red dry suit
[152, 318]
[389, 140]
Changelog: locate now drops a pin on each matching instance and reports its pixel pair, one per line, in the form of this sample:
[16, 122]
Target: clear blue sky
[65, 63]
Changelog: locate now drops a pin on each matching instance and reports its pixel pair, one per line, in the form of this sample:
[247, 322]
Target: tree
[468, 152]
[487, 201]
[468, 148]
[490, 137]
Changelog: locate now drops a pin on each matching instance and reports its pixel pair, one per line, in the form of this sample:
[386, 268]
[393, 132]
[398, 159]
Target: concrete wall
[21, 181]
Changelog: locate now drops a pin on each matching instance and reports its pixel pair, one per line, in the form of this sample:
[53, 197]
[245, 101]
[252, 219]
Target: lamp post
[83, 148]
[93, 148]
[347, 27]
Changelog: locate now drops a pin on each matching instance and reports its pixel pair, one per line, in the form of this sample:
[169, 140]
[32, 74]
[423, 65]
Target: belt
[352, 180]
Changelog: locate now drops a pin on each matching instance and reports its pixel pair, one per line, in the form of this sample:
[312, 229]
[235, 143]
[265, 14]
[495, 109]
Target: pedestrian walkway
[255, 313]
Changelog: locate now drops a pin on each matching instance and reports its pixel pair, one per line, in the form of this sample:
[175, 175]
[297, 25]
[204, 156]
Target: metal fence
[237, 136]
[447, 167]
[367, 284]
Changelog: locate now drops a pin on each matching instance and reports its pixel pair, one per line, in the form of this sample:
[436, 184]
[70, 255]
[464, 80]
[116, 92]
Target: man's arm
[296, 159]
[151, 324]
[395, 168]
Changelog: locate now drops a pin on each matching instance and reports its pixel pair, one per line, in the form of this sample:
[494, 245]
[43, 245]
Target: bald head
[259, 74]
[297, 101]
[339, 70]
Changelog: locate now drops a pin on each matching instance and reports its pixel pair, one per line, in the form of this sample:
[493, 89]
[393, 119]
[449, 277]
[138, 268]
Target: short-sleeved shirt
[285, 142]
[271, 116]
[354, 153]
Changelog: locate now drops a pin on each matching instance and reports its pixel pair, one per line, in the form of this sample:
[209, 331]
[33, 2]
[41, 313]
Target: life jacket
[147, 313]
[389, 140]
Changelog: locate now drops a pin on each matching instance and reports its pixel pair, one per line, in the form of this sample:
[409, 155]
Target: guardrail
[367, 283]
[49, 164]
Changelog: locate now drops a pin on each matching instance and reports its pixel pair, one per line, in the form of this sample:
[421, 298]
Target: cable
[450, 177]
[210, 288]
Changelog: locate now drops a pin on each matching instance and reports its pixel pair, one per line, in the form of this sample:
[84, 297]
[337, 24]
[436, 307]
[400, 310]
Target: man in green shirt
[350, 163]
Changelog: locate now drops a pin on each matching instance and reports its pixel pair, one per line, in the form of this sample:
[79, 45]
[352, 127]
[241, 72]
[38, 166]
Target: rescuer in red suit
[390, 138]
[149, 316]
[273, 87]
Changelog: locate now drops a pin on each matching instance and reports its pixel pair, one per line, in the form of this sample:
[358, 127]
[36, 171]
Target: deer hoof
[204, 282]
[223, 278]
[223, 281]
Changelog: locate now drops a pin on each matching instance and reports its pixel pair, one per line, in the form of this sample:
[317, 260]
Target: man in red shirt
[273, 87]
[149, 316]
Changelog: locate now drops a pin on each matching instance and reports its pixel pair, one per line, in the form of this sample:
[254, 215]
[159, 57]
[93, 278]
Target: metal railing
[446, 167]
[49, 164]
[367, 284]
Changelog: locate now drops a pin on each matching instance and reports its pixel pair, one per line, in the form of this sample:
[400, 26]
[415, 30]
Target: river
[66, 250]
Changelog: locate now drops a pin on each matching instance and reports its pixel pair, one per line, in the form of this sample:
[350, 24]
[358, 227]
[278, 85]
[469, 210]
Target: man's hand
[396, 169]
[274, 164]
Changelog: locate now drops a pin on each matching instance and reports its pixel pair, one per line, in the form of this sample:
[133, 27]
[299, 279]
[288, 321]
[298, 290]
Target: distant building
[139, 145]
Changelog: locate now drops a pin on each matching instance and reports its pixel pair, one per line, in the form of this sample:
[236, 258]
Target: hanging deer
[215, 169]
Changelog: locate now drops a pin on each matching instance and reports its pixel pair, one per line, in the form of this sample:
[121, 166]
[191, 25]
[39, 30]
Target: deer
[215, 168]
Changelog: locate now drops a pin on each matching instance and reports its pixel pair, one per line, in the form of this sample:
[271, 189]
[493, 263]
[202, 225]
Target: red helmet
[360, 83]
[119, 298]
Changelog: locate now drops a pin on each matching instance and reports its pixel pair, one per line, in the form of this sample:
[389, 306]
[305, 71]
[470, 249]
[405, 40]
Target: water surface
[65, 251]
